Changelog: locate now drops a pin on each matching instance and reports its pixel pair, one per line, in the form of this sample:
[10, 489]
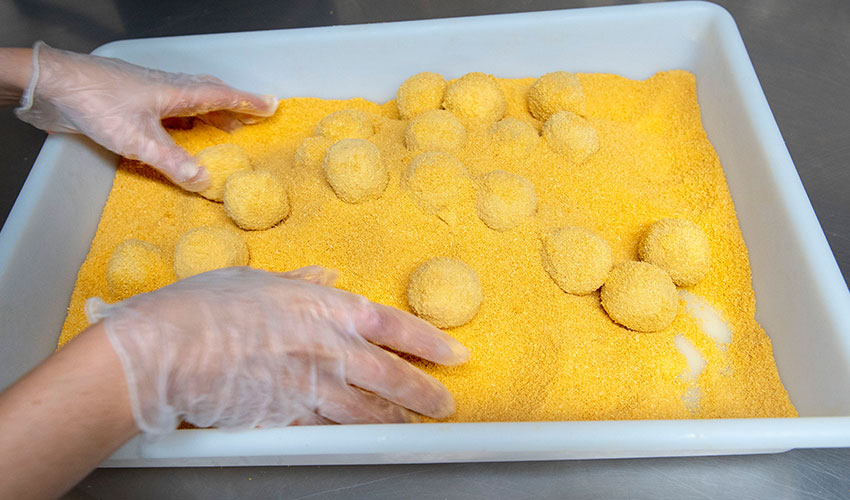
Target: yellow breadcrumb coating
[255, 199]
[437, 182]
[312, 151]
[221, 161]
[355, 170]
[577, 259]
[513, 139]
[435, 130]
[206, 248]
[640, 296]
[537, 353]
[505, 200]
[419, 93]
[346, 124]
[445, 292]
[135, 267]
[475, 98]
[553, 92]
[678, 246]
[571, 135]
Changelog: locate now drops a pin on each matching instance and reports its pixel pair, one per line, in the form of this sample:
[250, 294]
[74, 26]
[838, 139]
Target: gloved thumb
[158, 149]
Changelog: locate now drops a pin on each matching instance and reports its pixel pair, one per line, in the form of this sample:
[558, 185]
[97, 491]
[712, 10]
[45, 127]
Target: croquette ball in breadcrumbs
[419, 93]
[678, 246]
[355, 170]
[553, 92]
[221, 161]
[437, 181]
[577, 259]
[640, 296]
[475, 98]
[255, 199]
[512, 139]
[445, 292]
[345, 124]
[571, 135]
[435, 130]
[505, 200]
[203, 249]
[137, 267]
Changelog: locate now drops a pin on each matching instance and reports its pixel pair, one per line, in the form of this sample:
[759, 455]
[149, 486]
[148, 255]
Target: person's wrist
[15, 73]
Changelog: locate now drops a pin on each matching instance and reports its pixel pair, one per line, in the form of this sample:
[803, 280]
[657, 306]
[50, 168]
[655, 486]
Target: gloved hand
[119, 105]
[240, 347]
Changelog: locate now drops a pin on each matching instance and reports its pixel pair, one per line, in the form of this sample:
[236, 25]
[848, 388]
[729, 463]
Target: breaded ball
[553, 92]
[571, 135]
[678, 246]
[355, 170]
[419, 93]
[513, 139]
[445, 292]
[255, 199]
[505, 200]
[137, 267]
[221, 162]
[206, 248]
[311, 152]
[346, 124]
[577, 259]
[435, 130]
[640, 296]
[475, 97]
[436, 181]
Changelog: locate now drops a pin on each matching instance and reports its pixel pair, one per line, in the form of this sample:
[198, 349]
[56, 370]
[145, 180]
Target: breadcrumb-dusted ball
[419, 93]
[255, 199]
[355, 170]
[346, 124]
[435, 130]
[135, 267]
[475, 97]
[553, 92]
[577, 259]
[445, 292]
[513, 139]
[571, 135]
[203, 249]
[505, 200]
[640, 296]
[678, 246]
[437, 181]
[221, 161]
[311, 151]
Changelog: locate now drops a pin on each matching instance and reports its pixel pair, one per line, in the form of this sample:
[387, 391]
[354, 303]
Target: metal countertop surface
[801, 52]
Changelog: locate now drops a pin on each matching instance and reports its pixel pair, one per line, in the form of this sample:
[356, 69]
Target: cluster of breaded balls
[443, 290]
[640, 295]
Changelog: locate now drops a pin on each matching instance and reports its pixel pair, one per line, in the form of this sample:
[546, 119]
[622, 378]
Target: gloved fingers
[314, 274]
[405, 332]
[394, 379]
[203, 99]
[345, 404]
[222, 120]
[312, 419]
[158, 149]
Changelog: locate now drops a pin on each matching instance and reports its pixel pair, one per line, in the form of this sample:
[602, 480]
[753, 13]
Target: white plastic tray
[802, 300]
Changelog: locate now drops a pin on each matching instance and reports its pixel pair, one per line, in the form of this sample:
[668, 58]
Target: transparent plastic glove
[120, 106]
[240, 347]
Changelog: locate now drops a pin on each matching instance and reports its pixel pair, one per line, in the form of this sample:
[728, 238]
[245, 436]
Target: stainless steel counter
[801, 52]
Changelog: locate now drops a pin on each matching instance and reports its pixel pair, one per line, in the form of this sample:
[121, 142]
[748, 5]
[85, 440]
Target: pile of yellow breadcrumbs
[537, 353]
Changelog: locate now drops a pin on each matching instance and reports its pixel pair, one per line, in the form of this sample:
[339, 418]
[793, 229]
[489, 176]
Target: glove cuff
[28, 97]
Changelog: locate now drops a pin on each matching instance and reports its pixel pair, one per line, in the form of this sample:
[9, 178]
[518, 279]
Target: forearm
[63, 418]
[15, 74]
